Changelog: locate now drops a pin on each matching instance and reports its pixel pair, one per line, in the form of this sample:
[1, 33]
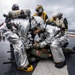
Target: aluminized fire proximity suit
[55, 43]
[19, 42]
[16, 41]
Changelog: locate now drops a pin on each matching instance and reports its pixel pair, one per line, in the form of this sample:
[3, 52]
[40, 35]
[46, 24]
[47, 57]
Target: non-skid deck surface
[48, 68]
[40, 68]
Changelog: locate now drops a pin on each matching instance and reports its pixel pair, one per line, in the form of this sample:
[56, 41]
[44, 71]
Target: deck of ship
[40, 68]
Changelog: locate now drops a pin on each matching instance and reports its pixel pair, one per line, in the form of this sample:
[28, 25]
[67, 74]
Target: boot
[29, 68]
[60, 65]
[69, 51]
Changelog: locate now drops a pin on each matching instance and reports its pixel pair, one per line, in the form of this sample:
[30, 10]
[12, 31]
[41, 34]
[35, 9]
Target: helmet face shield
[39, 9]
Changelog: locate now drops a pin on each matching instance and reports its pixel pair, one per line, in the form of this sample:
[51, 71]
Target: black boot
[60, 65]
[69, 51]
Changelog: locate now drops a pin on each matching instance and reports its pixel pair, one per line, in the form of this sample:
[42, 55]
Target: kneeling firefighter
[19, 19]
[55, 38]
[37, 32]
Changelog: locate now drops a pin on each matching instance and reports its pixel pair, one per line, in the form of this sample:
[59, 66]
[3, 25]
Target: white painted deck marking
[47, 68]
